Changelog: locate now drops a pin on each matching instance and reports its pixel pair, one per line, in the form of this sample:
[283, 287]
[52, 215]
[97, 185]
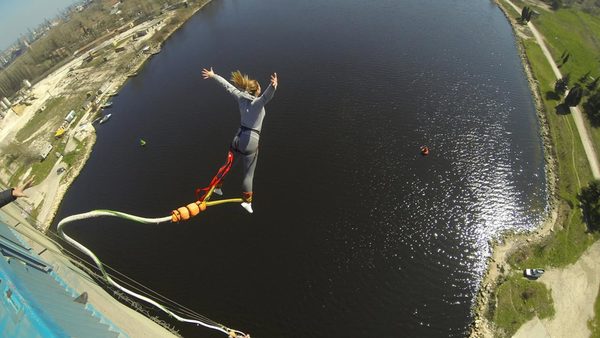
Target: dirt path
[574, 290]
[575, 111]
[47, 191]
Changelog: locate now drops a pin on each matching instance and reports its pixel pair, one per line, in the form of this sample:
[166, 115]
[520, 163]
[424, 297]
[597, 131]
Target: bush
[590, 204]
[574, 96]
[592, 108]
[561, 85]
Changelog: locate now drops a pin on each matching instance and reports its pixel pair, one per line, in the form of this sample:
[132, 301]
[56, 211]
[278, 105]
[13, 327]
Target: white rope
[99, 213]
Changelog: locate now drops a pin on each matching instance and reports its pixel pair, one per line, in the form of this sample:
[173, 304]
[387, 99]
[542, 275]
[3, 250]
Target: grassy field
[578, 33]
[570, 238]
[48, 115]
[525, 298]
[594, 324]
[47, 120]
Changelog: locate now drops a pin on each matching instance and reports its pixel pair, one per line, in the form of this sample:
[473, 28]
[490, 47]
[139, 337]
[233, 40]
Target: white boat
[105, 118]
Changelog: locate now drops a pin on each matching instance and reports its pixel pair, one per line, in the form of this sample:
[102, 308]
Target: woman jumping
[252, 112]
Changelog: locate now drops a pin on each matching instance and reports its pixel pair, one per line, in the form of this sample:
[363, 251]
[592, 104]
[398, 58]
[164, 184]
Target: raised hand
[207, 74]
[274, 80]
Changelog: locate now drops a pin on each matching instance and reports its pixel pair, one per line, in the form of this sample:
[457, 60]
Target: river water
[354, 234]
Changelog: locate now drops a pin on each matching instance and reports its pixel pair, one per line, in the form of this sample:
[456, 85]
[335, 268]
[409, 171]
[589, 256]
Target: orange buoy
[424, 150]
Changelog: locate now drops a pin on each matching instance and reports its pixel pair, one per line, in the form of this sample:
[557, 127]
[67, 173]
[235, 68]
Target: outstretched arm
[270, 91]
[10, 195]
[6, 197]
[207, 74]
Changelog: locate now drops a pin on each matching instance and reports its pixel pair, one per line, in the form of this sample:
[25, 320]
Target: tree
[574, 96]
[563, 54]
[590, 203]
[585, 78]
[526, 14]
[565, 59]
[561, 85]
[556, 4]
[592, 108]
[593, 85]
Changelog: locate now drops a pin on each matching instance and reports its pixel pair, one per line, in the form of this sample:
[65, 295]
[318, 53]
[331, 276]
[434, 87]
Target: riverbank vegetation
[575, 31]
[525, 299]
[83, 30]
[82, 86]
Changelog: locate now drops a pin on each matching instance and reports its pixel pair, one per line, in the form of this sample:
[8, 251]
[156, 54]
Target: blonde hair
[243, 82]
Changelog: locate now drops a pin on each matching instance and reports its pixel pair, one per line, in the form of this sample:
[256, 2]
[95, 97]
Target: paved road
[588, 145]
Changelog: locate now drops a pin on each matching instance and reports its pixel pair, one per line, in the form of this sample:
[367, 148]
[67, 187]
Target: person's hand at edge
[20, 191]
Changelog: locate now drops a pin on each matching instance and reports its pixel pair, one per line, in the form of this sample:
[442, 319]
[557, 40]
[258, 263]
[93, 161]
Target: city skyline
[18, 16]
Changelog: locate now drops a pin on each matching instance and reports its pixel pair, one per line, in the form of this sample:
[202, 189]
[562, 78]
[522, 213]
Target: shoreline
[76, 169]
[511, 241]
[501, 248]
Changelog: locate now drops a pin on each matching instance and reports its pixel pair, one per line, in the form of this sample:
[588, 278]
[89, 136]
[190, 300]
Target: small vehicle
[533, 273]
[60, 170]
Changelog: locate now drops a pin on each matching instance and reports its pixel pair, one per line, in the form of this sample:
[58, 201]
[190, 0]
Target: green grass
[39, 169]
[56, 109]
[562, 248]
[519, 300]
[594, 324]
[71, 157]
[577, 32]
[573, 168]
[50, 114]
[570, 238]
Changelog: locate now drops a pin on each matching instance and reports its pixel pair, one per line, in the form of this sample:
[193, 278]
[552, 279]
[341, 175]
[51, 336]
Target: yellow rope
[231, 200]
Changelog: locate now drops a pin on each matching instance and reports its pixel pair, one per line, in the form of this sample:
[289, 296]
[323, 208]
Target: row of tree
[585, 86]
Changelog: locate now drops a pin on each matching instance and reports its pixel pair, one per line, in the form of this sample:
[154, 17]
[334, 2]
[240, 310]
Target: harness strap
[217, 179]
[244, 128]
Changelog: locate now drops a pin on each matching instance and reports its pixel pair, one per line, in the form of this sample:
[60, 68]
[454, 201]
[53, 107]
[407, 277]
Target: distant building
[46, 151]
[139, 34]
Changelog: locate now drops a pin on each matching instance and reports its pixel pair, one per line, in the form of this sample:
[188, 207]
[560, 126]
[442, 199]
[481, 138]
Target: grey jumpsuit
[252, 113]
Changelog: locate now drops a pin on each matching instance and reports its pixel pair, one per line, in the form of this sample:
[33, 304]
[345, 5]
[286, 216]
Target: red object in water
[424, 151]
